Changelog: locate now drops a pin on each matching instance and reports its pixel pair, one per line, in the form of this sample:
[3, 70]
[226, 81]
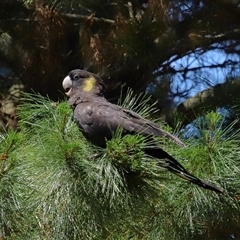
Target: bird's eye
[76, 77]
[67, 89]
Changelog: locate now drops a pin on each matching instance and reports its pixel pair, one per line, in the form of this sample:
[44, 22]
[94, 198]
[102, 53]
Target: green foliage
[27, 2]
[127, 152]
[10, 184]
[55, 185]
[139, 103]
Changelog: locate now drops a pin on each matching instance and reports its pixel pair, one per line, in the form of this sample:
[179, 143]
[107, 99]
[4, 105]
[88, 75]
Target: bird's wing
[103, 118]
[136, 123]
[98, 118]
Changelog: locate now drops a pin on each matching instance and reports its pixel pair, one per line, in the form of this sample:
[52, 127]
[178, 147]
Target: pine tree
[56, 185]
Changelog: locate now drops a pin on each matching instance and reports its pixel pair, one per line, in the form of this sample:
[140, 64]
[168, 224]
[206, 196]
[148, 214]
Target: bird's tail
[175, 167]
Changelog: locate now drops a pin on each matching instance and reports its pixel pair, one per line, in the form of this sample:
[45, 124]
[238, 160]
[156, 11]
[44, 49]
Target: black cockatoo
[98, 119]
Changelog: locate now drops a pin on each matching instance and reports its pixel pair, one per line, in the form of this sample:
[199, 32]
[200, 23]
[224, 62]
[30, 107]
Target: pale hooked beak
[67, 85]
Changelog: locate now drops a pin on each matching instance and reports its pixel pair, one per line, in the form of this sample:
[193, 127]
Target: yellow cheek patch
[89, 83]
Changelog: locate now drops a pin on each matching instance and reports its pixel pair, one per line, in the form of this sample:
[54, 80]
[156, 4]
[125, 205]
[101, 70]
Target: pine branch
[67, 189]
